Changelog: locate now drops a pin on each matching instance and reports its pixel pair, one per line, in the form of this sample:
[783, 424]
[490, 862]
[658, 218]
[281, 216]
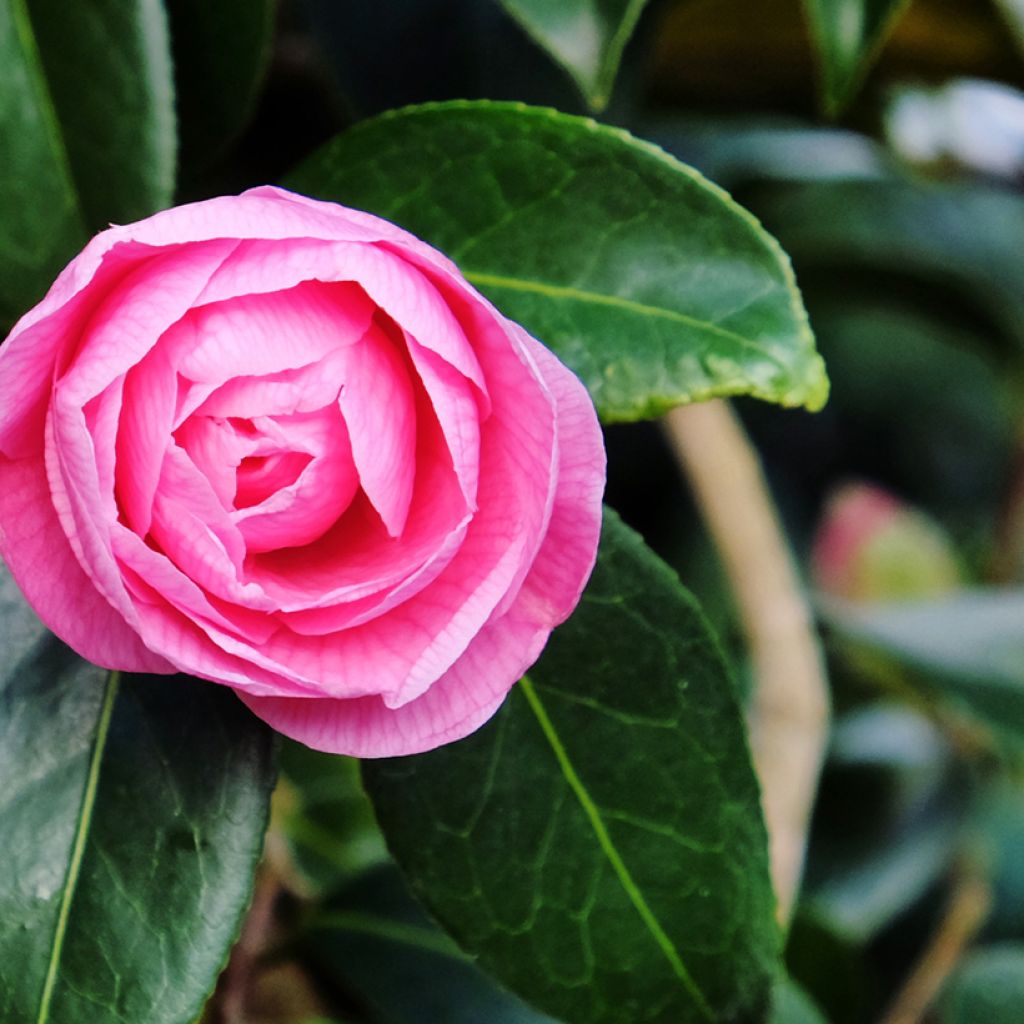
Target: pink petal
[146, 302]
[63, 596]
[566, 558]
[254, 335]
[378, 404]
[298, 514]
[468, 694]
[357, 557]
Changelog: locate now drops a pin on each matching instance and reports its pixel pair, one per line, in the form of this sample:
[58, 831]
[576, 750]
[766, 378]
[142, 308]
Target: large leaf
[373, 942]
[650, 282]
[848, 35]
[220, 55]
[87, 122]
[968, 648]
[599, 845]
[586, 37]
[131, 820]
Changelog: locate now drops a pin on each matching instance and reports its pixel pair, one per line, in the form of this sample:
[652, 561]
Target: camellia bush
[352, 672]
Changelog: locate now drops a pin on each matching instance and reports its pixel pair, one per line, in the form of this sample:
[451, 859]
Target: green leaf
[872, 860]
[831, 969]
[998, 836]
[40, 219]
[599, 845]
[848, 35]
[132, 818]
[962, 242]
[1013, 12]
[220, 57]
[650, 282]
[87, 119]
[791, 1005]
[325, 817]
[586, 37]
[968, 649]
[988, 987]
[373, 941]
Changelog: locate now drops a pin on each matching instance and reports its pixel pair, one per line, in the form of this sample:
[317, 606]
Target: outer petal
[62, 596]
[461, 701]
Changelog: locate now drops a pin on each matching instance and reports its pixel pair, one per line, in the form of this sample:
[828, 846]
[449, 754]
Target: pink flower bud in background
[870, 546]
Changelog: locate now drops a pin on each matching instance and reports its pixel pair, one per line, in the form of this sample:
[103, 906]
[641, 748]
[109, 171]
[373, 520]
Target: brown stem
[965, 914]
[789, 709]
[228, 1004]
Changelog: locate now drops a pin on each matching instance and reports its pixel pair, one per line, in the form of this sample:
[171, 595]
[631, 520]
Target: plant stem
[965, 914]
[228, 1004]
[789, 709]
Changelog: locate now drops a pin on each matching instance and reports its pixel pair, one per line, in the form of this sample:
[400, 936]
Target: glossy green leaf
[968, 648]
[374, 943]
[1013, 12]
[87, 122]
[832, 969]
[872, 858]
[108, 72]
[998, 837]
[586, 37]
[325, 817]
[988, 987]
[599, 845]
[792, 1005]
[220, 56]
[961, 241]
[848, 35]
[40, 219]
[650, 282]
[131, 821]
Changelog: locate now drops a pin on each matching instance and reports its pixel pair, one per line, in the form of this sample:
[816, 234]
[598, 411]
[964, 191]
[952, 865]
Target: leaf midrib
[608, 848]
[557, 291]
[85, 815]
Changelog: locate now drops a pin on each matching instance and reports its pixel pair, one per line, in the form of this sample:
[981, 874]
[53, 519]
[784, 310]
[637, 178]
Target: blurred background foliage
[883, 144]
[889, 164]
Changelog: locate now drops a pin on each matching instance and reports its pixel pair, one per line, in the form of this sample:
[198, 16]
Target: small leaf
[325, 817]
[868, 865]
[650, 282]
[599, 845]
[791, 1005]
[998, 835]
[87, 119]
[848, 35]
[131, 822]
[988, 987]
[220, 56]
[962, 241]
[373, 941]
[586, 37]
[1013, 12]
[968, 648]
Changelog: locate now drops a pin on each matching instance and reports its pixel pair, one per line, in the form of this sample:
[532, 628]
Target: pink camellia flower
[284, 445]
